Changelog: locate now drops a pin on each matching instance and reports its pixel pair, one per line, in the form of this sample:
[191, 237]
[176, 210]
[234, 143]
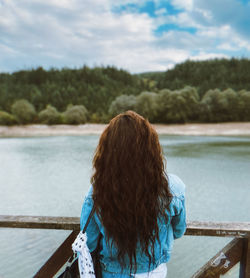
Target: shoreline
[207, 129]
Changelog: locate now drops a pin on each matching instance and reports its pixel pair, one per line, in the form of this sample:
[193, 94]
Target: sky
[138, 36]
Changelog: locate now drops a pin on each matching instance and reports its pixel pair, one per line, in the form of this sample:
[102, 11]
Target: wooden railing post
[58, 259]
[245, 259]
[223, 261]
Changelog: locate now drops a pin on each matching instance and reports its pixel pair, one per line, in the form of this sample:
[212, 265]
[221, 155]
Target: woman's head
[130, 189]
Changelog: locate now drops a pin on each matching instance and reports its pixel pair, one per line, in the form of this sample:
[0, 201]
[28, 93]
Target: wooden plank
[247, 269]
[58, 259]
[194, 228]
[223, 261]
[219, 229]
[245, 260]
[40, 222]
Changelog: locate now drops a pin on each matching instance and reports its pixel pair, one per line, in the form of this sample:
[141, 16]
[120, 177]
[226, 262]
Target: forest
[194, 91]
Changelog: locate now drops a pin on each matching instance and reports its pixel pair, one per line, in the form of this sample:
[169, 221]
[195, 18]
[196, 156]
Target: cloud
[219, 31]
[229, 12]
[183, 4]
[83, 33]
[70, 33]
[227, 46]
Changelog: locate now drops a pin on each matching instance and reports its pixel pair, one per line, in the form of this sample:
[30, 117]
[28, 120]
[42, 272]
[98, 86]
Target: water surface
[50, 176]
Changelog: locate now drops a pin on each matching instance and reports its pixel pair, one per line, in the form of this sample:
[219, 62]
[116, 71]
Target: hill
[205, 75]
[194, 91]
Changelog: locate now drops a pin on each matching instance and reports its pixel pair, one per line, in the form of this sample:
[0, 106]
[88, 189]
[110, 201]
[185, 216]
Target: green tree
[220, 106]
[146, 105]
[5, 101]
[163, 101]
[50, 116]
[75, 114]
[192, 102]
[36, 98]
[23, 111]
[210, 107]
[122, 104]
[172, 107]
[6, 118]
[228, 105]
[244, 105]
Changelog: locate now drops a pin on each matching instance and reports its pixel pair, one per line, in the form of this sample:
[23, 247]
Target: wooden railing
[236, 251]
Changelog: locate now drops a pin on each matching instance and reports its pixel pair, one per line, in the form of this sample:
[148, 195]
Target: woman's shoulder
[88, 200]
[86, 207]
[176, 185]
[89, 193]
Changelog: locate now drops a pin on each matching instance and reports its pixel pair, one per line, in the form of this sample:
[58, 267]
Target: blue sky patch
[170, 9]
[244, 1]
[149, 7]
[173, 27]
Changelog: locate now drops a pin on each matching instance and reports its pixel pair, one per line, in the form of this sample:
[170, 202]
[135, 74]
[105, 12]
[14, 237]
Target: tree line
[205, 75]
[94, 88]
[185, 105]
[165, 106]
[75, 96]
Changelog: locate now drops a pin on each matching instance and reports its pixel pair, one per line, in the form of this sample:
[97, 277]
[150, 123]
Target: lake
[50, 175]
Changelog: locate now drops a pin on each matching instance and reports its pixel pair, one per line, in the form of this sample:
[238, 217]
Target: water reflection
[191, 146]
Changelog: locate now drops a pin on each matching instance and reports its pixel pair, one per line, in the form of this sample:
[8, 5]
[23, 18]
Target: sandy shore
[226, 129]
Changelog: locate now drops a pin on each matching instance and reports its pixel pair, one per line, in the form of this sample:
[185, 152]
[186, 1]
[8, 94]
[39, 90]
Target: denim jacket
[168, 231]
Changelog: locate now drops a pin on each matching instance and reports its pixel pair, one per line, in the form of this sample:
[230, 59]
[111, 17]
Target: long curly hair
[130, 187]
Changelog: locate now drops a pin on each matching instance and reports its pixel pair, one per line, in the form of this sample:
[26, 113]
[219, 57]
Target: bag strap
[84, 230]
[88, 220]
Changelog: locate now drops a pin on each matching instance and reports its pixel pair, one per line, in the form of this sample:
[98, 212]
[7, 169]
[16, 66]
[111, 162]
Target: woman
[139, 209]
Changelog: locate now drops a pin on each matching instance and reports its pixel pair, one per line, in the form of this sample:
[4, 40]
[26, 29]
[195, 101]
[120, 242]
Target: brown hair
[130, 187]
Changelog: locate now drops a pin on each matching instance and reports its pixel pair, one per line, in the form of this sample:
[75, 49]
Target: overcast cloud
[135, 35]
